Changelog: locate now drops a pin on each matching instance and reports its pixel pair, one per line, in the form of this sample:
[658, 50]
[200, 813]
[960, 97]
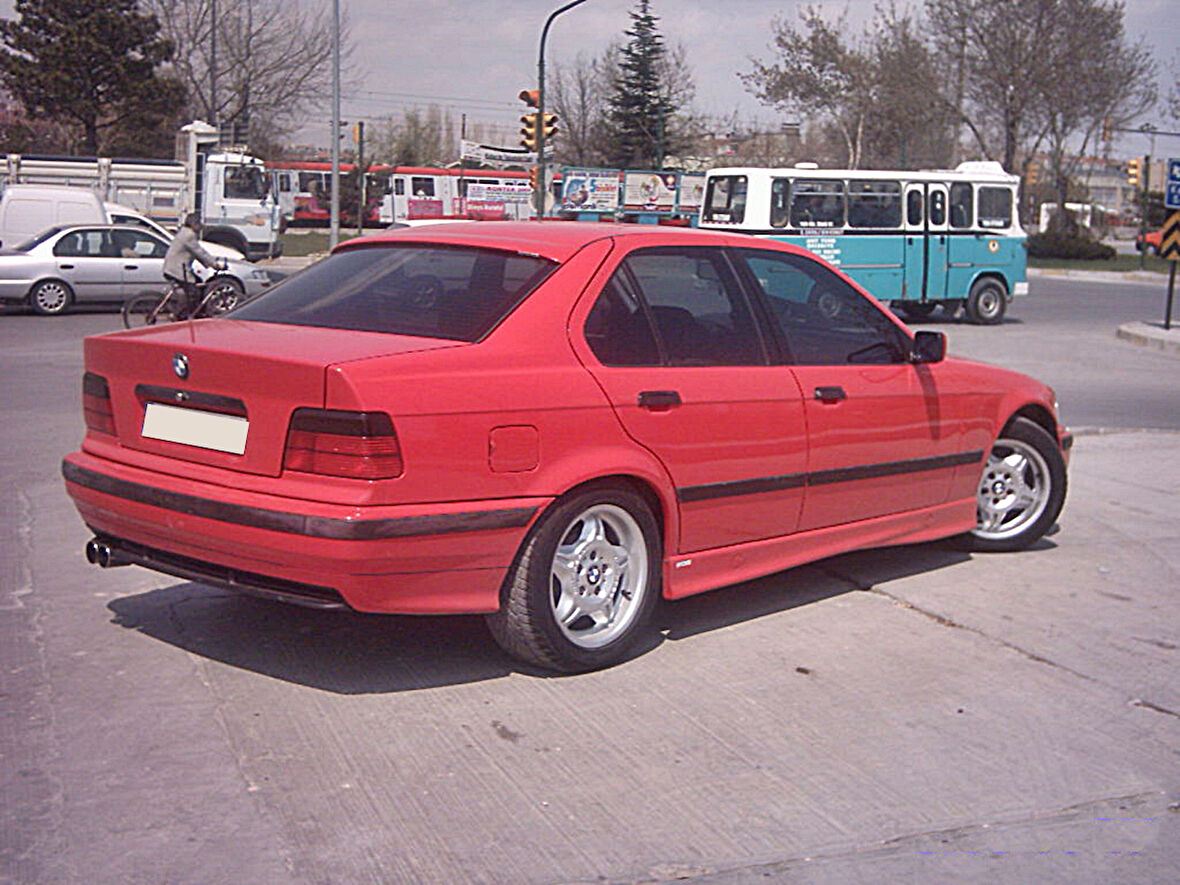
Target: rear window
[428, 291]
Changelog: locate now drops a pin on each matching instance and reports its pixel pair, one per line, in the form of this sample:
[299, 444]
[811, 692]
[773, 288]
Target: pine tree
[640, 115]
[88, 63]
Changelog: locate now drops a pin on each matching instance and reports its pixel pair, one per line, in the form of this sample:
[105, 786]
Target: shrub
[1055, 245]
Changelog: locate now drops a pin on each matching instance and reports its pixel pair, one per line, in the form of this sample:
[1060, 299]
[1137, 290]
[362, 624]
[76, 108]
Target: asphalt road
[916, 714]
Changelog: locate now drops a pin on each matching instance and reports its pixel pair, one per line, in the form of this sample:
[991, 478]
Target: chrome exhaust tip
[102, 554]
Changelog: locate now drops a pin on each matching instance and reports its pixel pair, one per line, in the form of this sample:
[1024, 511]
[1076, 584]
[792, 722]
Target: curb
[1151, 335]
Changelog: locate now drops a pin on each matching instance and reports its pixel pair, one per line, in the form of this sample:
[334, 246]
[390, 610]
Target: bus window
[780, 191]
[995, 207]
[817, 202]
[399, 186]
[422, 186]
[937, 208]
[874, 204]
[962, 210]
[913, 208]
[726, 199]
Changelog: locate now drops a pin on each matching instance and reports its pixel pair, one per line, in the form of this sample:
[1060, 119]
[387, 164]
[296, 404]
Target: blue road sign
[1172, 191]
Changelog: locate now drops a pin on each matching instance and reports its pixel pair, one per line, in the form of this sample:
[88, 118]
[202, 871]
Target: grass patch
[1120, 263]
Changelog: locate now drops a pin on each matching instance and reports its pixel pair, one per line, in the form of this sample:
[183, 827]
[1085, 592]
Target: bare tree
[1101, 77]
[578, 93]
[273, 59]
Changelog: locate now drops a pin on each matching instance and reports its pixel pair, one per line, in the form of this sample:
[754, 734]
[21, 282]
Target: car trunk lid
[221, 392]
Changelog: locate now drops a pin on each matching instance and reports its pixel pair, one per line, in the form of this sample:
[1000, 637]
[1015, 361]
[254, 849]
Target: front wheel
[147, 309]
[223, 294]
[1021, 490]
[987, 302]
[584, 584]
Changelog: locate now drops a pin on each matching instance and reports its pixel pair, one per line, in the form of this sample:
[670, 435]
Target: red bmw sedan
[553, 424]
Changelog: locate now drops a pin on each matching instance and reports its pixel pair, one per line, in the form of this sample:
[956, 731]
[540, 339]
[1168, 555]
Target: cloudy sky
[474, 57]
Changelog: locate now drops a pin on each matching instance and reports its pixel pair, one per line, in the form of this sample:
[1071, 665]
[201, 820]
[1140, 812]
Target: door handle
[66, 266]
[130, 267]
[659, 400]
[830, 394]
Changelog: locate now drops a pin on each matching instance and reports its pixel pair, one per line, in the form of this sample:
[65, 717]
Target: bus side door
[926, 242]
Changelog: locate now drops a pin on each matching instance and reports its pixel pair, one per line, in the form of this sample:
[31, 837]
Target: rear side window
[676, 307]
[423, 290]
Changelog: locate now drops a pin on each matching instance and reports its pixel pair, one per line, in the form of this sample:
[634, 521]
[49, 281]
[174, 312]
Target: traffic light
[1134, 171]
[550, 126]
[1032, 174]
[534, 175]
[530, 125]
[531, 97]
[1107, 129]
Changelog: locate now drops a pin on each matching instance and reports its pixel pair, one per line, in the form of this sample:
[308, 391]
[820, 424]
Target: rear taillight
[96, 404]
[358, 445]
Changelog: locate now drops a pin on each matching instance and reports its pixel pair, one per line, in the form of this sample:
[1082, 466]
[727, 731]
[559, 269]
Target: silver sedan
[72, 264]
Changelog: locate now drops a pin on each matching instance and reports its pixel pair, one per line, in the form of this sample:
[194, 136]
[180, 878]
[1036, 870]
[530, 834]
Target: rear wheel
[584, 584]
[987, 302]
[142, 311]
[51, 297]
[1021, 490]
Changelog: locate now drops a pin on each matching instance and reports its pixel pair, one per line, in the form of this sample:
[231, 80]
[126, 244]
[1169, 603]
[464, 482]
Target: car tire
[224, 294]
[987, 302]
[584, 584]
[1021, 489]
[51, 297]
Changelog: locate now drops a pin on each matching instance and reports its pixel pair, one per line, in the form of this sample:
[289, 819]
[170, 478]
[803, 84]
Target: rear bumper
[407, 559]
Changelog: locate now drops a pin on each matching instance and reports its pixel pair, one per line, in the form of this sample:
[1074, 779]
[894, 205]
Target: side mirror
[928, 347]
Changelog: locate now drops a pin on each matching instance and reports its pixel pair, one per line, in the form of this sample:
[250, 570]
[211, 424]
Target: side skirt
[689, 574]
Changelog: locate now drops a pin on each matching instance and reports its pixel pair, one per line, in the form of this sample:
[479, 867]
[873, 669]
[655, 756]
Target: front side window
[995, 207]
[424, 290]
[725, 199]
[962, 205]
[684, 300]
[134, 244]
[824, 320]
[874, 204]
[817, 203]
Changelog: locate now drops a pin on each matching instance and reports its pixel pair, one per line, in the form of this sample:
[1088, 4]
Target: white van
[28, 209]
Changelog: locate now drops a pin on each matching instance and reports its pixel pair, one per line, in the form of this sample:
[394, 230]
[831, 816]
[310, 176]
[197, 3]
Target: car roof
[556, 240]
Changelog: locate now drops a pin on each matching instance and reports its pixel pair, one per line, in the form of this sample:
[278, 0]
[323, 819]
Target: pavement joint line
[1092, 811]
[944, 621]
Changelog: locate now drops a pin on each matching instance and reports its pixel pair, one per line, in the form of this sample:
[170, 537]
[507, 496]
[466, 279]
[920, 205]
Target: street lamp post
[541, 181]
[334, 235]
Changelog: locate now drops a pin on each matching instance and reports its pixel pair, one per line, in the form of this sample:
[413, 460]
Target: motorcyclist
[182, 251]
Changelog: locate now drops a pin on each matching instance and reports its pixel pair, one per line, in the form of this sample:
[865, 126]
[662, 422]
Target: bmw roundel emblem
[180, 365]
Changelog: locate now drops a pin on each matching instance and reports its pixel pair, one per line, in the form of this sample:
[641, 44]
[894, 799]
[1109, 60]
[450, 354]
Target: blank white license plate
[206, 430]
